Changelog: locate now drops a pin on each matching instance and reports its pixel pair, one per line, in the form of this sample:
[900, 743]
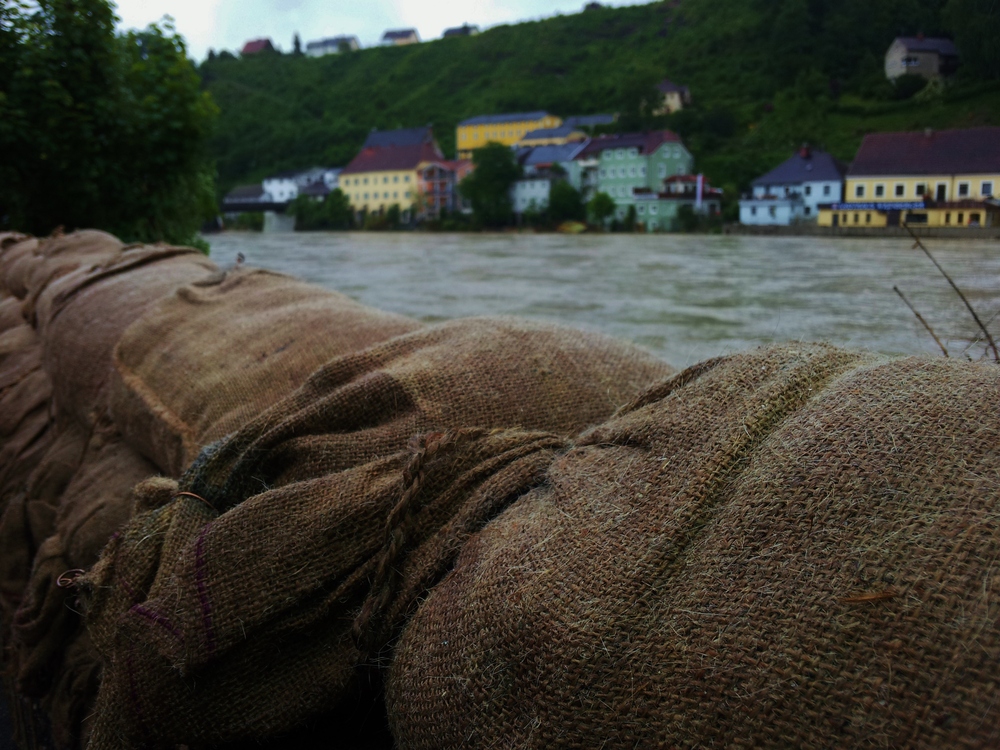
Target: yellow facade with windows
[473, 135]
[377, 191]
[948, 197]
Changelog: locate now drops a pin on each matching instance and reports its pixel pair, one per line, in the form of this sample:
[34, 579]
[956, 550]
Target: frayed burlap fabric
[234, 608]
[793, 547]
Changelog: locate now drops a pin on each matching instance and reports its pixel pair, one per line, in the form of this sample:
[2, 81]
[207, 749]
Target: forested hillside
[765, 77]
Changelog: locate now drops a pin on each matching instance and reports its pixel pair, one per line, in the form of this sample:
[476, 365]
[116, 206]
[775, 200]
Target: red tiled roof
[646, 142]
[392, 158]
[256, 45]
[968, 151]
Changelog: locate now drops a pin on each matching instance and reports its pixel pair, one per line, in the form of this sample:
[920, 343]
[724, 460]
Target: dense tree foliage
[333, 212]
[565, 203]
[765, 76]
[488, 187]
[976, 26]
[99, 129]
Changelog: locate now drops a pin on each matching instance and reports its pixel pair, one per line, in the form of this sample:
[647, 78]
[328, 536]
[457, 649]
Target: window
[857, 218]
[385, 180]
[843, 219]
[920, 218]
[654, 208]
[920, 189]
[879, 191]
[395, 194]
[631, 171]
[366, 180]
[662, 171]
[772, 212]
[607, 154]
[900, 189]
[868, 218]
[973, 220]
[963, 189]
[395, 178]
[859, 191]
[406, 178]
[633, 152]
[910, 61]
[642, 171]
[961, 217]
[947, 218]
[642, 208]
[986, 189]
[826, 190]
[385, 195]
[808, 190]
[753, 210]
[807, 210]
[621, 153]
[601, 172]
[621, 171]
[366, 196]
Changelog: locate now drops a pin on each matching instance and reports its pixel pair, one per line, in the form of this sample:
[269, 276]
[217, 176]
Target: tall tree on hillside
[976, 27]
[296, 44]
[488, 187]
[100, 129]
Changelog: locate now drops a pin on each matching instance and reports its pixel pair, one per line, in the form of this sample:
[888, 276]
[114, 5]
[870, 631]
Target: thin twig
[989, 338]
[921, 319]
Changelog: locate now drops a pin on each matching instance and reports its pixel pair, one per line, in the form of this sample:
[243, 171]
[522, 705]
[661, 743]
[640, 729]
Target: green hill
[765, 77]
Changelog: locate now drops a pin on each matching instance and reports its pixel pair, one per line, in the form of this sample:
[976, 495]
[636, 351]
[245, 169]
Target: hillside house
[552, 136]
[333, 45]
[794, 190]
[929, 57]
[620, 163]
[940, 178]
[385, 171]
[531, 193]
[463, 30]
[507, 129]
[674, 97]
[283, 186]
[256, 46]
[398, 37]
[658, 210]
[437, 187]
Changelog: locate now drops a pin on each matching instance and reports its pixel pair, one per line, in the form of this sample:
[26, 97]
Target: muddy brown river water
[685, 298]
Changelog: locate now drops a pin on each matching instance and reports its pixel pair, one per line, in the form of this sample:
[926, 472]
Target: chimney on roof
[805, 152]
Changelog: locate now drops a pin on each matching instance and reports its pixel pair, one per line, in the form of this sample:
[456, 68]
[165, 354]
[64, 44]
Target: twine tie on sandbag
[68, 579]
[369, 625]
[196, 497]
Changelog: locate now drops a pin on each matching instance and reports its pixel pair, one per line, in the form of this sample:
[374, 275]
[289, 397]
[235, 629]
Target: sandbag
[792, 547]
[234, 605]
[210, 357]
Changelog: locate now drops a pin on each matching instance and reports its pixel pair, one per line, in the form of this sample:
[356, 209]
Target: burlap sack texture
[233, 608]
[213, 355]
[792, 547]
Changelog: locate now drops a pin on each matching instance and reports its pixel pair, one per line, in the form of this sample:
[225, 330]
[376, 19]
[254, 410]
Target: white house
[793, 191]
[282, 187]
[531, 193]
[332, 46]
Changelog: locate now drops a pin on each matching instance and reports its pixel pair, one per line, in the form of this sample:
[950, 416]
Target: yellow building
[946, 178]
[507, 129]
[384, 173]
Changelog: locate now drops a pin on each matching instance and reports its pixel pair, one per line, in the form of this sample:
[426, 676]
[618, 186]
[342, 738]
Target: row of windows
[385, 180]
[621, 153]
[772, 211]
[625, 171]
[375, 196]
[653, 208]
[920, 189]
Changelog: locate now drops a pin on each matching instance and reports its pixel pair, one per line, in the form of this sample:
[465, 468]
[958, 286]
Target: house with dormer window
[794, 190]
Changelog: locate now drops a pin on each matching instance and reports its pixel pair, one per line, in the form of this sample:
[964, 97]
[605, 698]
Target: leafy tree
[488, 186]
[296, 44]
[333, 212]
[976, 27]
[565, 203]
[601, 207]
[629, 224]
[100, 130]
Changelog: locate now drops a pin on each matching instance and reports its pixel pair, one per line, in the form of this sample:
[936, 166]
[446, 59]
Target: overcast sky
[227, 24]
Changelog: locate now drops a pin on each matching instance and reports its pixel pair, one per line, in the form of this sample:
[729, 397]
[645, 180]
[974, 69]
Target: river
[682, 297]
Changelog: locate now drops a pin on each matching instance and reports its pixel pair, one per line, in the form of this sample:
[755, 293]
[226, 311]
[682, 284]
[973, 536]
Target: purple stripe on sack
[158, 619]
[200, 577]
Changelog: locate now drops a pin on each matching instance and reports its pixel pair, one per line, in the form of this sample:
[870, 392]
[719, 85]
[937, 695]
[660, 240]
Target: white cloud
[227, 24]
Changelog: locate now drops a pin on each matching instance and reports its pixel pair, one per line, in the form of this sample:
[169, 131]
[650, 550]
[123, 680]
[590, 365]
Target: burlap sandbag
[207, 359]
[82, 315]
[793, 547]
[232, 610]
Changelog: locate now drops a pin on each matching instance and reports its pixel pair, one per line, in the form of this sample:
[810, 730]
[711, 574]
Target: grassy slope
[761, 73]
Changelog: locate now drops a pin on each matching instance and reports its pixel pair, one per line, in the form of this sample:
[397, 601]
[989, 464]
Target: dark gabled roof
[667, 86]
[552, 154]
[930, 152]
[392, 158]
[463, 30]
[561, 132]
[499, 119]
[589, 121]
[400, 34]
[647, 143]
[944, 47]
[243, 193]
[806, 165]
[403, 137]
[256, 45]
